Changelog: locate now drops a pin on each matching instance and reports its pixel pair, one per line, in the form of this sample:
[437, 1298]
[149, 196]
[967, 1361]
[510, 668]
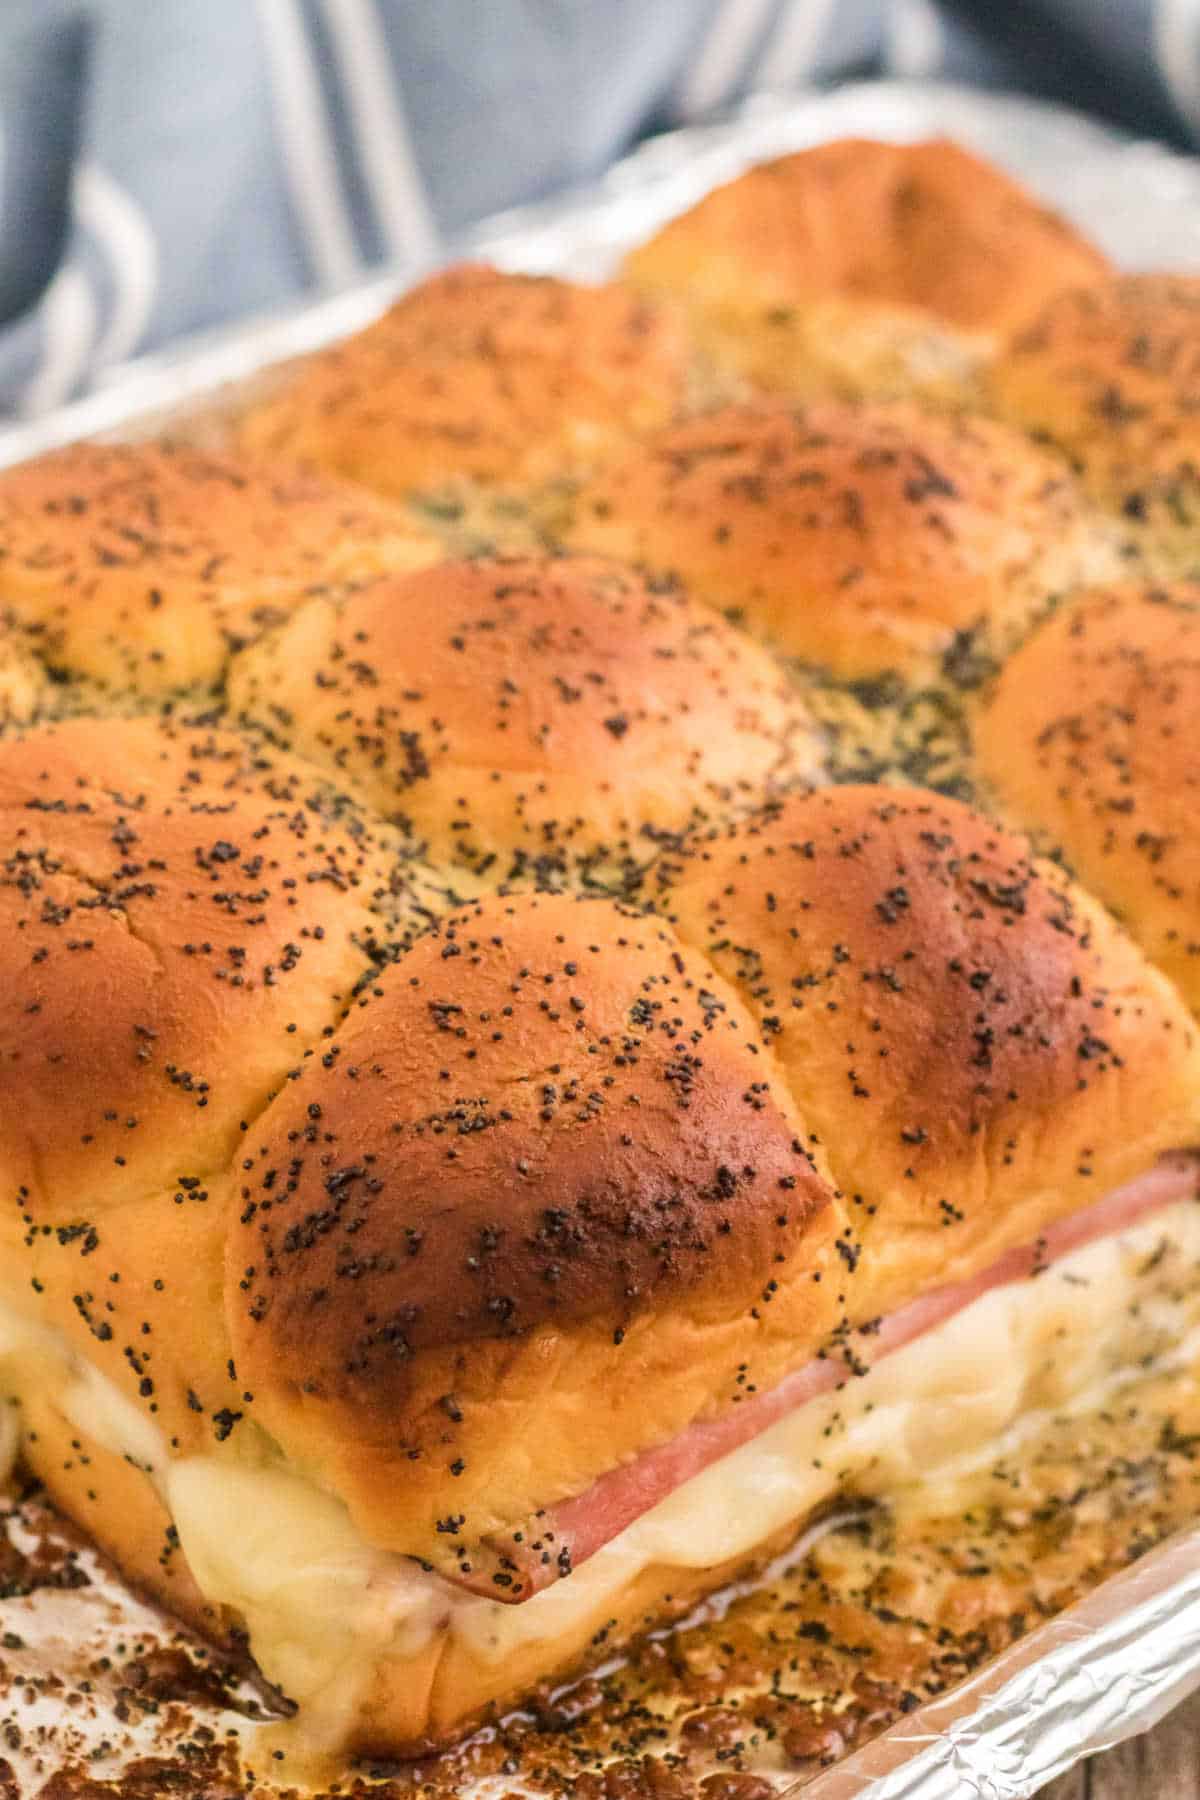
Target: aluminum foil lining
[1104, 1670]
[1114, 1664]
[1140, 201]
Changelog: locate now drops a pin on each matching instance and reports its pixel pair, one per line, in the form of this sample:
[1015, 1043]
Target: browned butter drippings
[100, 1698]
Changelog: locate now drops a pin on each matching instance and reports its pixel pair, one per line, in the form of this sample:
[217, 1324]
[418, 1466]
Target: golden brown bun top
[546, 1129]
[478, 374]
[140, 566]
[977, 1046]
[856, 538]
[1110, 373]
[530, 715]
[179, 925]
[1093, 739]
[924, 225]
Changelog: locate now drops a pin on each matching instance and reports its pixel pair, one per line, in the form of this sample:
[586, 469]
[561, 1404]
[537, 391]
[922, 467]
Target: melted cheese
[957, 1396]
[101, 1411]
[322, 1606]
[36, 1355]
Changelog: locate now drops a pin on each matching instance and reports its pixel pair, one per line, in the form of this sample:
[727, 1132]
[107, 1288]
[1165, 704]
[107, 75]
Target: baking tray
[1139, 201]
[1113, 1664]
[1104, 1670]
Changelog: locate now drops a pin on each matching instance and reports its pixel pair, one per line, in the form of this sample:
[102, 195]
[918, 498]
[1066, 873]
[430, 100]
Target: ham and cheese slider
[1109, 373]
[138, 567]
[531, 716]
[1089, 738]
[483, 378]
[184, 923]
[858, 539]
[435, 1324]
[862, 268]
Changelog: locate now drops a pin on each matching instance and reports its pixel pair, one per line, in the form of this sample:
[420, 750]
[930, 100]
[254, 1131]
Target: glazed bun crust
[170, 909]
[529, 716]
[139, 566]
[1110, 374]
[860, 539]
[479, 375]
[136, 1292]
[180, 927]
[861, 267]
[977, 1047]
[518, 1222]
[1090, 740]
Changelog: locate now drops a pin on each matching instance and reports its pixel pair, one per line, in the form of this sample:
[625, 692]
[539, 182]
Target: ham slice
[562, 1537]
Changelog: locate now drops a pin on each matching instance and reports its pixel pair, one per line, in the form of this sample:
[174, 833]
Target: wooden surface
[1164, 1765]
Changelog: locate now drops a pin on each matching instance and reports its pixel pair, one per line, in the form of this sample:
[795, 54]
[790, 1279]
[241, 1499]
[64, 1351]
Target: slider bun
[538, 1206]
[481, 375]
[1091, 740]
[861, 268]
[139, 565]
[180, 928]
[136, 1291]
[978, 1048]
[1110, 374]
[522, 716]
[861, 539]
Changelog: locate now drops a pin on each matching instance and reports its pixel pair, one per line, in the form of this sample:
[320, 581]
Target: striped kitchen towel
[167, 165]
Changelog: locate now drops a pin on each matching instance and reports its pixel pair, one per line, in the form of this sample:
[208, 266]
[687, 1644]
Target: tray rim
[667, 170]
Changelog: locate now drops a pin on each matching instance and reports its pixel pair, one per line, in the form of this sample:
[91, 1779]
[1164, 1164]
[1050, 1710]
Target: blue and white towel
[167, 165]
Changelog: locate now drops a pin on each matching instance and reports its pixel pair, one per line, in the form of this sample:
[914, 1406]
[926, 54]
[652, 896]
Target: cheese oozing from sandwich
[322, 1606]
